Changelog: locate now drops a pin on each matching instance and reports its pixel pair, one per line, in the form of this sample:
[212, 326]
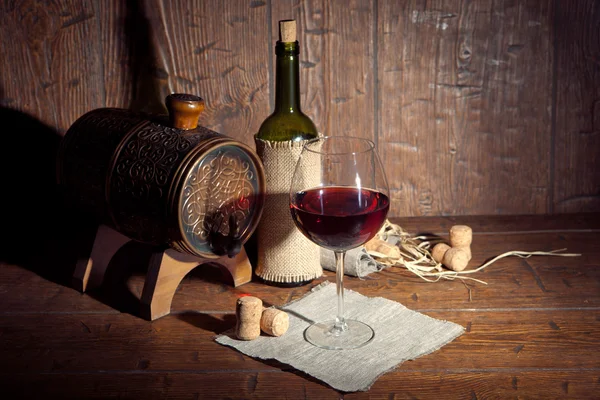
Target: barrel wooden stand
[166, 269]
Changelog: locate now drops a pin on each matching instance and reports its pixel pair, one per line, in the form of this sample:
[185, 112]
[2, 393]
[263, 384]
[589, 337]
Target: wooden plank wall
[477, 107]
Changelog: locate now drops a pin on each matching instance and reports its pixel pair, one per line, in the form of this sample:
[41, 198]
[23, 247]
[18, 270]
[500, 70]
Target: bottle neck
[287, 78]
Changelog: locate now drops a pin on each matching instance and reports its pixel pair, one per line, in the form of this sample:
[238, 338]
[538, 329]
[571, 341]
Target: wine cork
[287, 30]
[248, 311]
[456, 258]
[274, 322]
[461, 236]
[383, 247]
[438, 251]
[466, 249]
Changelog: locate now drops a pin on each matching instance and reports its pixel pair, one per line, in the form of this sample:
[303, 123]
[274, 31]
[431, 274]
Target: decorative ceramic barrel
[164, 180]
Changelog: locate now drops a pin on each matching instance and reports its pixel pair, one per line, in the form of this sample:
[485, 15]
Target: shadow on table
[125, 277]
[208, 322]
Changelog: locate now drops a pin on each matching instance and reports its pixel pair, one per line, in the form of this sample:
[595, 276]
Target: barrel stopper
[184, 110]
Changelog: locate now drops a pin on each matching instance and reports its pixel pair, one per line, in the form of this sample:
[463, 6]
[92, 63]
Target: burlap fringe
[416, 257]
[276, 277]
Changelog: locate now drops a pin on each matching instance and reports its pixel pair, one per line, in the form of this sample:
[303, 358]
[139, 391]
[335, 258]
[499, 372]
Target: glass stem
[340, 322]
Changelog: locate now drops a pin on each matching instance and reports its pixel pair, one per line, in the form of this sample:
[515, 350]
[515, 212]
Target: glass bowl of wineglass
[339, 199]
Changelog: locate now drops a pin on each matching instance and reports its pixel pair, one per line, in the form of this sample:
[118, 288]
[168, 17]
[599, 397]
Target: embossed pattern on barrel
[86, 152]
[141, 176]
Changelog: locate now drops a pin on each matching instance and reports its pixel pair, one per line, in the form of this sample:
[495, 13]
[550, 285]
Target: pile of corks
[252, 318]
[456, 256]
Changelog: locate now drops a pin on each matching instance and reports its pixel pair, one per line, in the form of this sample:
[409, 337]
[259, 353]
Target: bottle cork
[287, 31]
[467, 250]
[274, 322]
[456, 258]
[461, 236]
[438, 251]
[248, 311]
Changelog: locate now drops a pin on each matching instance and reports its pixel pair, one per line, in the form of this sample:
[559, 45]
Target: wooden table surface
[532, 332]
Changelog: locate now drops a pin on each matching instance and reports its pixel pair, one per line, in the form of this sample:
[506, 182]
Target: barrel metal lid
[220, 199]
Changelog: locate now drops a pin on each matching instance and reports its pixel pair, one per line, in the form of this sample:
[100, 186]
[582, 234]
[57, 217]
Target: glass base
[326, 336]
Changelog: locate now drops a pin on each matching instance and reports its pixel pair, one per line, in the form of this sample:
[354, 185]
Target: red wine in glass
[339, 208]
[339, 218]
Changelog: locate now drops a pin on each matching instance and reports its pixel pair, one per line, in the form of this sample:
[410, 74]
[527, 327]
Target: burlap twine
[284, 254]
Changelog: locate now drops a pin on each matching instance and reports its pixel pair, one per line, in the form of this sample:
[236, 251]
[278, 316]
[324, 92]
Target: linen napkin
[400, 335]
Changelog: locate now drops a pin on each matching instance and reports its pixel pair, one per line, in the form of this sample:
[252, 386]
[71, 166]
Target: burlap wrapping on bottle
[284, 254]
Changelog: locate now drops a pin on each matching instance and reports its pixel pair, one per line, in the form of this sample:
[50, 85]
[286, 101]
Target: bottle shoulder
[287, 126]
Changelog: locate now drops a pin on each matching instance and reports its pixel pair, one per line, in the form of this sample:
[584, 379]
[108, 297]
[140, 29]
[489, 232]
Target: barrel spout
[230, 244]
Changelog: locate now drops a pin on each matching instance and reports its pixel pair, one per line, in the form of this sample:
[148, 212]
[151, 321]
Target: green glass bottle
[285, 257]
[287, 122]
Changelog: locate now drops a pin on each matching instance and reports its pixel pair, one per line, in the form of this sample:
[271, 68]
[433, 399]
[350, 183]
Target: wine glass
[339, 199]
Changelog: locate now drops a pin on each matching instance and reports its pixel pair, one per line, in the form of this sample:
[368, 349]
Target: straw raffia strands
[416, 257]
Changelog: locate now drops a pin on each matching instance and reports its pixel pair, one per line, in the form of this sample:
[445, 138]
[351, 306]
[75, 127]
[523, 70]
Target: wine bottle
[285, 257]
[287, 122]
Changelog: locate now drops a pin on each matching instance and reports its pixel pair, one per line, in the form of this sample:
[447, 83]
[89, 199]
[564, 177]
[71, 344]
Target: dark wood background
[477, 107]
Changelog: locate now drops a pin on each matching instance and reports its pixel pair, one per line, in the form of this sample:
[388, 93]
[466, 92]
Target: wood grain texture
[350, 56]
[50, 67]
[496, 340]
[171, 385]
[218, 51]
[532, 332]
[537, 283]
[266, 385]
[484, 385]
[477, 107]
[464, 103]
[489, 224]
[121, 73]
[577, 106]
